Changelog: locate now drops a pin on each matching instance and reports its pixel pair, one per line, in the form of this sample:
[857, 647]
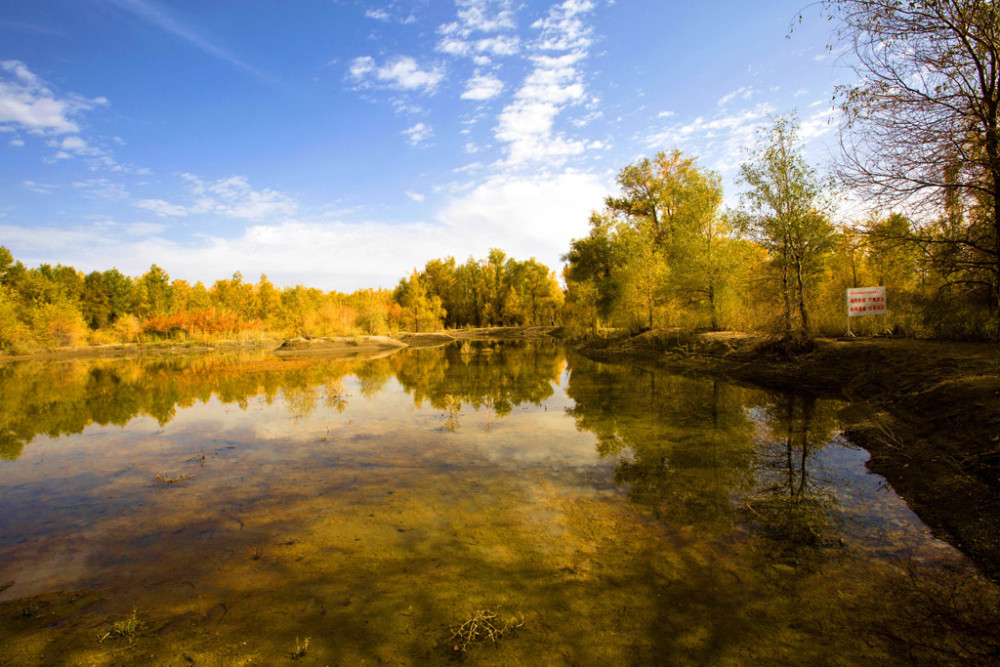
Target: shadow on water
[240, 504]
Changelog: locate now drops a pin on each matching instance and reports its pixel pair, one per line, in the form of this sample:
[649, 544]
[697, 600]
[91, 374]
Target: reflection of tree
[684, 443]
[62, 398]
[493, 375]
[786, 502]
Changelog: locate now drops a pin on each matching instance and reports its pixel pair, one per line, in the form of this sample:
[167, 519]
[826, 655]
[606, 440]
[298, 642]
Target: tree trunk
[802, 296]
[786, 295]
[711, 303]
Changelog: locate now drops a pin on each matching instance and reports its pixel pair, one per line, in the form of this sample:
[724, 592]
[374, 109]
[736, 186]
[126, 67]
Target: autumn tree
[781, 209]
[921, 126]
[420, 310]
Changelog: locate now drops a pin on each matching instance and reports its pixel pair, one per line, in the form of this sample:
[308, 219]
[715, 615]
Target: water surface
[240, 503]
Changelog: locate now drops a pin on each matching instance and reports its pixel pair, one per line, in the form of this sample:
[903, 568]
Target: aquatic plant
[484, 625]
[123, 629]
[300, 649]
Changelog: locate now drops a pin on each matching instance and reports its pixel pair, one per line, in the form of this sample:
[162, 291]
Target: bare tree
[920, 126]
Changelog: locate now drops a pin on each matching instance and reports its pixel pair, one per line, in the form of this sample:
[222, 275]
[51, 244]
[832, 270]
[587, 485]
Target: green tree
[95, 301]
[781, 210]
[153, 293]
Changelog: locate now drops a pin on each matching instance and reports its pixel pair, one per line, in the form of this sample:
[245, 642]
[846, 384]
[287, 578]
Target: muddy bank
[340, 347]
[120, 350]
[927, 411]
[439, 338]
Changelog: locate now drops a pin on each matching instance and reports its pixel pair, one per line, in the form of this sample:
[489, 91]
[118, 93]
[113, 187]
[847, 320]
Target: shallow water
[241, 503]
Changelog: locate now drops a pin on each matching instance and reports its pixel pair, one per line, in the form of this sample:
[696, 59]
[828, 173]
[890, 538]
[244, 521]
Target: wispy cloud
[26, 27]
[149, 12]
[743, 93]
[102, 188]
[401, 73]
[418, 134]
[721, 141]
[229, 197]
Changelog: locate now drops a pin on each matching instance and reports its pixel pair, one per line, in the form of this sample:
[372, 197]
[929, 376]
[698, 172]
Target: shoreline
[927, 412]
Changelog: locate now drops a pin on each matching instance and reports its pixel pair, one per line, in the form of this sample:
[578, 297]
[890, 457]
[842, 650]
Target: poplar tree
[781, 210]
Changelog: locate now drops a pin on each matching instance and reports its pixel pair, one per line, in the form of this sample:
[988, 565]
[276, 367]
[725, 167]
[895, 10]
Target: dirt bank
[341, 346]
[927, 411]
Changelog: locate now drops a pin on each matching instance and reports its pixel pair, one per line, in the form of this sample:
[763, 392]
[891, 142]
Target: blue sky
[342, 143]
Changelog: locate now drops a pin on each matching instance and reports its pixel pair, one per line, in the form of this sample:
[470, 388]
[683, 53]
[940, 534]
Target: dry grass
[484, 626]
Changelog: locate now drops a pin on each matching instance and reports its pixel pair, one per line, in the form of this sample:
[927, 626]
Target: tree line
[59, 306]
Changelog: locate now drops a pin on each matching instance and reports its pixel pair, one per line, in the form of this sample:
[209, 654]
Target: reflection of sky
[75, 506]
[63, 497]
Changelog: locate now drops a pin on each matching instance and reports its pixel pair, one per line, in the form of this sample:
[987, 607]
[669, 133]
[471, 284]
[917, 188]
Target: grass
[300, 649]
[123, 629]
[483, 626]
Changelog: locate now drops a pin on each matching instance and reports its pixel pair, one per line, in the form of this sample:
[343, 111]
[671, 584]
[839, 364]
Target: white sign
[865, 301]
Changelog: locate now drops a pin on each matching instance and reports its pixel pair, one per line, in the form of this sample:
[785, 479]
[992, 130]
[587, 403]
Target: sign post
[865, 301]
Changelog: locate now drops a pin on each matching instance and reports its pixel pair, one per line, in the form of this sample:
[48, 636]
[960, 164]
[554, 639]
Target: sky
[342, 143]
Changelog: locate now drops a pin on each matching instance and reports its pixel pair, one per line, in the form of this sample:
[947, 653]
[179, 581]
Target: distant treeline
[46, 306]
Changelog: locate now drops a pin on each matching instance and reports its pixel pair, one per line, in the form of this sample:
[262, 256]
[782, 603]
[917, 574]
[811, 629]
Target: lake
[488, 502]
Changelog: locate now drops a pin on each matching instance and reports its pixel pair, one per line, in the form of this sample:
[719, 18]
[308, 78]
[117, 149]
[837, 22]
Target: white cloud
[377, 14]
[27, 103]
[527, 217]
[418, 134]
[818, 124]
[563, 30]
[744, 93]
[162, 208]
[40, 188]
[16, 143]
[528, 124]
[103, 188]
[482, 87]
[144, 228]
[230, 197]
[720, 141]
[484, 16]
[415, 196]
[401, 73]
